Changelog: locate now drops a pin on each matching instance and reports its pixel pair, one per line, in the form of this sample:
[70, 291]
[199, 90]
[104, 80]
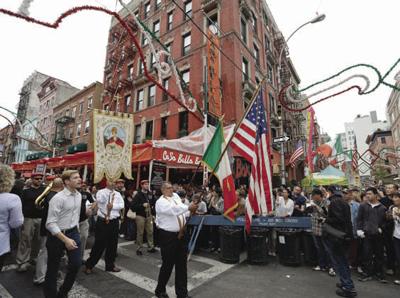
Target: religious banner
[113, 138]
[213, 85]
[310, 134]
[158, 174]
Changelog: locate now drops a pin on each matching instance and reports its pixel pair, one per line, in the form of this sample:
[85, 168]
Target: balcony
[248, 88]
[209, 5]
[64, 120]
[125, 83]
[63, 140]
[245, 8]
[110, 88]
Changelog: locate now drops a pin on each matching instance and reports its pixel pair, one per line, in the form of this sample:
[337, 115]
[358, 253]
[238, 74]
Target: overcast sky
[354, 31]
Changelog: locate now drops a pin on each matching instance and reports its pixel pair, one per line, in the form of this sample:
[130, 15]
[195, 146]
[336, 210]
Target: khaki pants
[29, 240]
[143, 223]
[84, 232]
[41, 262]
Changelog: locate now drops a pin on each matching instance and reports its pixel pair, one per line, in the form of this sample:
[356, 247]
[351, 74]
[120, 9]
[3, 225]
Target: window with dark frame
[78, 130]
[130, 72]
[165, 85]
[164, 127]
[183, 123]
[254, 22]
[257, 54]
[243, 30]
[127, 102]
[87, 126]
[149, 130]
[156, 28]
[187, 40]
[139, 100]
[383, 140]
[146, 10]
[186, 77]
[151, 96]
[144, 40]
[90, 102]
[158, 4]
[170, 19]
[188, 9]
[138, 134]
[245, 69]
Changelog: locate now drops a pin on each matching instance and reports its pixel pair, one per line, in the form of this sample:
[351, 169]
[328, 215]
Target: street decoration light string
[289, 94]
[186, 103]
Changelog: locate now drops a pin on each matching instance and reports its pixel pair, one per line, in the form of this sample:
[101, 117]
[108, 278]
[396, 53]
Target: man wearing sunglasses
[30, 233]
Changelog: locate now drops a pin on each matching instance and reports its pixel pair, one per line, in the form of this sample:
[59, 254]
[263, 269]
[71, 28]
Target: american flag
[296, 154]
[354, 161]
[252, 142]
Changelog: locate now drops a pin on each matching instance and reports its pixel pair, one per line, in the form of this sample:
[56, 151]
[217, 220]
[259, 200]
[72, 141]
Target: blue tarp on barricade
[262, 221]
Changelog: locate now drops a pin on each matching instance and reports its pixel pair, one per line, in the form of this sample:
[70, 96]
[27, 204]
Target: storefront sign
[175, 157]
[213, 83]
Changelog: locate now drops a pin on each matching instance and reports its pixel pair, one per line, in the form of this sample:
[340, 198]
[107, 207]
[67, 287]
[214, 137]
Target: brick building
[6, 144]
[74, 121]
[393, 112]
[381, 143]
[248, 35]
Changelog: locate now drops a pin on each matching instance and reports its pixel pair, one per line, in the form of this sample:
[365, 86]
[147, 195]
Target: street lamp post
[318, 18]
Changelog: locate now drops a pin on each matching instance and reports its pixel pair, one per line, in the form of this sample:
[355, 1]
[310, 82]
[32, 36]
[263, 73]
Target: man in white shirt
[109, 203]
[170, 220]
[62, 223]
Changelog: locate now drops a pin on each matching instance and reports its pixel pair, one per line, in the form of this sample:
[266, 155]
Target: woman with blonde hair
[10, 210]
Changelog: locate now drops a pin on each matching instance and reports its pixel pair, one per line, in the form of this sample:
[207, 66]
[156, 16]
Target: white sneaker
[317, 268]
[359, 270]
[390, 272]
[331, 272]
[397, 282]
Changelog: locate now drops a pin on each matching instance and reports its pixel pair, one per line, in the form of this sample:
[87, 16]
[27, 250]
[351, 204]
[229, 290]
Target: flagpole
[237, 127]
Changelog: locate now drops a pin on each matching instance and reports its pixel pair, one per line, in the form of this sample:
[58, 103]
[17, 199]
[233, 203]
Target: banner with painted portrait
[113, 138]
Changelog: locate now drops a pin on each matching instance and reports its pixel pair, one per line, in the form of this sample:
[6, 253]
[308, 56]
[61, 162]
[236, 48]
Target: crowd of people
[52, 218]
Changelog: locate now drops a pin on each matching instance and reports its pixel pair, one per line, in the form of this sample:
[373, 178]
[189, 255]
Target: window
[127, 102]
[144, 40]
[152, 61]
[245, 69]
[151, 96]
[254, 22]
[158, 4]
[186, 77]
[130, 71]
[272, 103]
[212, 20]
[165, 85]
[90, 102]
[270, 74]
[170, 19]
[188, 9]
[106, 107]
[139, 101]
[183, 123]
[138, 134]
[70, 132]
[156, 28]
[186, 43]
[117, 105]
[67, 112]
[146, 10]
[257, 54]
[141, 67]
[87, 126]
[78, 130]
[149, 130]
[169, 48]
[80, 108]
[164, 125]
[243, 30]
[73, 112]
[267, 43]
[383, 140]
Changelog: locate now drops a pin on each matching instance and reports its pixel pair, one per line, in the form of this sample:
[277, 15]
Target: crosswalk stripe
[80, 291]
[4, 293]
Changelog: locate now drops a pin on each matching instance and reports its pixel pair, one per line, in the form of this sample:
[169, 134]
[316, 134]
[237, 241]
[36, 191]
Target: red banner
[310, 134]
[213, 85]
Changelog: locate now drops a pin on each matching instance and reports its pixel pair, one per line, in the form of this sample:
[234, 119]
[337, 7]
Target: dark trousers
[396, 245]
[106, 238]
[354, 254]
[324, 256]
[55, 251]
[2, 259]
[338, 250]
[173, 253]
[373, 255]
[390, 254]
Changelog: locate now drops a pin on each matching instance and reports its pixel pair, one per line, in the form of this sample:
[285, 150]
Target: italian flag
[222, 171]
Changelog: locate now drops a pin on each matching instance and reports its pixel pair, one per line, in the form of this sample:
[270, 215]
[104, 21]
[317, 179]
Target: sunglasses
[36, 178]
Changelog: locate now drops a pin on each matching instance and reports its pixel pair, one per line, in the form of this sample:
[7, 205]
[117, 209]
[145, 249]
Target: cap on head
[34, 175]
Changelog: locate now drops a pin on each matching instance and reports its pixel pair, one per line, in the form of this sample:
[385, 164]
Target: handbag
[328, 230]
[131, 214]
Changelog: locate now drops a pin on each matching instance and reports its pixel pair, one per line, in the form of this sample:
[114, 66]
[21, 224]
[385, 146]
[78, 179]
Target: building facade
[6, 144]
[53, 92]
[381, 143]
[28, 114]
[74, 120]
[393, 113]
[251, 42]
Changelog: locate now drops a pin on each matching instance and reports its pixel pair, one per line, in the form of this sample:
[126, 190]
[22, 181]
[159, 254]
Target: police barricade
[289, 235]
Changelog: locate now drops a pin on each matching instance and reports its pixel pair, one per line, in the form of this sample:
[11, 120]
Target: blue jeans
[324, 256]
[338, 249]
[55, 250]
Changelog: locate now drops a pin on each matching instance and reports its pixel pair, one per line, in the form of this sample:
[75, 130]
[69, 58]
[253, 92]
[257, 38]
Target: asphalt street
[208, 278]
